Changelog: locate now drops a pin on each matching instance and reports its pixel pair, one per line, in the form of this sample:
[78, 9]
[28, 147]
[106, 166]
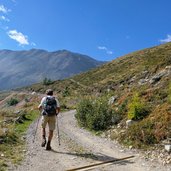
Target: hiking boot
[43, 142]
[48, 147]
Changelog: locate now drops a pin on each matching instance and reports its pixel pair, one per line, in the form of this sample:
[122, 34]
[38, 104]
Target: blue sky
[102, 29]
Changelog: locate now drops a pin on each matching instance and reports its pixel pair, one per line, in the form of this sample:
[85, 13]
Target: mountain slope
[143, 78]
[20, 68]
[125, 73]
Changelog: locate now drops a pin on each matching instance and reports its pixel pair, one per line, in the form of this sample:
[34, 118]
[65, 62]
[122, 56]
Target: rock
[130, 147]
[158, 76]
[129, 123]
[168, 67]
[33, 93]
[145, 72]
[121, 85]
[5, 130]
[112, 100]
[2, 155]
[143, 81]
[132, 79]
[167, 147]
[17, 112]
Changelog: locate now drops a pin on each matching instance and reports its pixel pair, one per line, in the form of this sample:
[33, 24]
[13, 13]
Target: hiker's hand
[40, 108]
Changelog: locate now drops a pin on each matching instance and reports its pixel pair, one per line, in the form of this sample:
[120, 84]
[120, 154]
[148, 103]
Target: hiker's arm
[57, 110]
[40, 107]
[57, 107]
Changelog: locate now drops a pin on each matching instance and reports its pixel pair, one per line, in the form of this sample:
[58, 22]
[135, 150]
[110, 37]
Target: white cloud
[19, 37]
[4, 9]
[168, 39]
[4, 18]
[109, 52]
[102, 48]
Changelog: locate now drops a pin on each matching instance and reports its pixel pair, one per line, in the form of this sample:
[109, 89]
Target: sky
[101, 29]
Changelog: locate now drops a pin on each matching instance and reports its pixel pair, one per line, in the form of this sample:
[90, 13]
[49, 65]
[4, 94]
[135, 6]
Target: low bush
[95, 114]
[47, 81]
[12, 101]
[137, 109]
[84, 108]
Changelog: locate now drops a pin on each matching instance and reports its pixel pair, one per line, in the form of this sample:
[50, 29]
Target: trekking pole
[36, 129]
[58, 130]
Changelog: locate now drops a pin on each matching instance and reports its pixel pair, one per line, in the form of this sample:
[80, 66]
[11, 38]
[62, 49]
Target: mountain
[144, 68]
[21, 68]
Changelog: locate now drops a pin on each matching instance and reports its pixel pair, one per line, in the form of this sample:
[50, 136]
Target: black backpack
[50, 106]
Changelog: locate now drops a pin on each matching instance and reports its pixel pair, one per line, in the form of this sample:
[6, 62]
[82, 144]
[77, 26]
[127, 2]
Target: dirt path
[79, 148]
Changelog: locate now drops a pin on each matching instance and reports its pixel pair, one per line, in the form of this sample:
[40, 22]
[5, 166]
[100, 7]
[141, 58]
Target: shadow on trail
[98, 157]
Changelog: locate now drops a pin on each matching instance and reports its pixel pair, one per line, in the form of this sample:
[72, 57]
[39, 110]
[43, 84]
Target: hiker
[50, 109]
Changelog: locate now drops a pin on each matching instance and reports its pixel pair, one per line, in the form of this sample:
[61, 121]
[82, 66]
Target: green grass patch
[12, 146]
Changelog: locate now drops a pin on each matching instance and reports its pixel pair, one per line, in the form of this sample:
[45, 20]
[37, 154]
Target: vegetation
[137, 109]
[94, 114]
[14, 122]
[141, 83]
[47, 81]
[149, 131]
[12, 101]
[11, 137]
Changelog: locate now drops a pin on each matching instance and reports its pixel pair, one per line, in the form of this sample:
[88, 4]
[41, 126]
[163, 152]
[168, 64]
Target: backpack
[50, 106]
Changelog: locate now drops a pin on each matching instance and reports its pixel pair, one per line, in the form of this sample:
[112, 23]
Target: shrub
[47, 81]
[12, 101]
[65, 92]
[137, 109]
[83, 109]
[94, 114]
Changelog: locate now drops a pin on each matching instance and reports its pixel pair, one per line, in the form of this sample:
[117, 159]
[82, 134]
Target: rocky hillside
[138, 83]
[20, 68]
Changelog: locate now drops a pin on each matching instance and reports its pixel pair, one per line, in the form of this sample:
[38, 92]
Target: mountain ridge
[21, 68]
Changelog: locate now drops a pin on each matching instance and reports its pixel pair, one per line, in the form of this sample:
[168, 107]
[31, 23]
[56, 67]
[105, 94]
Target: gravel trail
[79, 148]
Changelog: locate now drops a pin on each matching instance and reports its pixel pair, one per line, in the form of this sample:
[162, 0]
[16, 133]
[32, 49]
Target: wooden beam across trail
[101, 163]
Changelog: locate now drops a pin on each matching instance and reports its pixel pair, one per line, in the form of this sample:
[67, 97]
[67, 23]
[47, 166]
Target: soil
[79, 148]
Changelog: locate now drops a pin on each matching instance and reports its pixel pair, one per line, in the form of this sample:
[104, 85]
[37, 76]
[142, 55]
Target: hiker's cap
[49, 91]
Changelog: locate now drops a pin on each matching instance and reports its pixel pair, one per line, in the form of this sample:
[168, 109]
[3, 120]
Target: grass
[12, 148]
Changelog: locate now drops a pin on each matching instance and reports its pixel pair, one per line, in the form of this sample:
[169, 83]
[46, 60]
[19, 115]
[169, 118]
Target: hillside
[146, 74]
[141, 70]
[21, 68]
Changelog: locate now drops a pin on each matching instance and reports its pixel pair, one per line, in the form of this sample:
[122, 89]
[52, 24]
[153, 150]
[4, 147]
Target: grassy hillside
[133, 72]
[146, 73]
